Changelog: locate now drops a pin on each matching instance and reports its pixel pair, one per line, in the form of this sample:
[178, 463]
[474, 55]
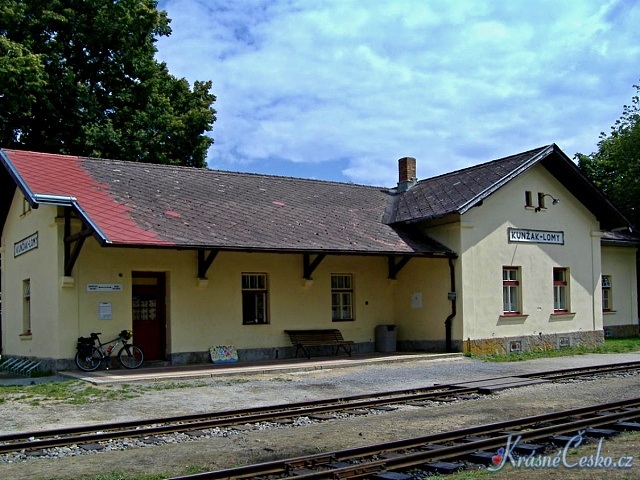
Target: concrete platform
[184, 372]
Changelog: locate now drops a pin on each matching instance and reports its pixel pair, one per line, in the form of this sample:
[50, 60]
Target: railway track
[315, 410]
[449, 451]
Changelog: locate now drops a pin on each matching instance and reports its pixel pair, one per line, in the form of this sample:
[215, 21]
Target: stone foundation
[621, 331]
[429, 346]
[276, 353]
[52, 365]
[492, 346]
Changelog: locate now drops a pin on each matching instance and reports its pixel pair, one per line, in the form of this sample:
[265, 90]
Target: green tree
[80, 77]
[615, 167]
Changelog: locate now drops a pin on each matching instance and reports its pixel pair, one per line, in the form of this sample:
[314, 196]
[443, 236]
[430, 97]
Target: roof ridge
[205, 169]
[485, 164]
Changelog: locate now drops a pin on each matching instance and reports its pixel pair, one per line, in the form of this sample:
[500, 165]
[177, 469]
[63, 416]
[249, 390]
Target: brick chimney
[406, 173]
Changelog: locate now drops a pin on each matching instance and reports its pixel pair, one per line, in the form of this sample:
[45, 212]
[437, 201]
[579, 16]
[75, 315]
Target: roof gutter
[69, 201]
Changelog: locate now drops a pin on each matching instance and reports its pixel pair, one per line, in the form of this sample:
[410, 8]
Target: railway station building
[518, 253]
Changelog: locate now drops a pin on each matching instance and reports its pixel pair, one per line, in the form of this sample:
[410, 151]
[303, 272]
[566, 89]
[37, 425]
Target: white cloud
[360, 84]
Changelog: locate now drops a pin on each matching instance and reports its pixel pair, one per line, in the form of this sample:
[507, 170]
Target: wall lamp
[540, 206]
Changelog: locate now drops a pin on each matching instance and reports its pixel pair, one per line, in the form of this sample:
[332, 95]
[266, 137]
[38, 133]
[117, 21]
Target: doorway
[149, 313]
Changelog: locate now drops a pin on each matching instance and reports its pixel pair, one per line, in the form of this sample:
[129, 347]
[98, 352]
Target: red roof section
[141, 204]
[63, 175]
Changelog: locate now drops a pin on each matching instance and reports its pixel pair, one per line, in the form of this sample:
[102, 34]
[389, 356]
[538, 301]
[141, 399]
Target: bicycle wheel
[89, 361]
[130, 356]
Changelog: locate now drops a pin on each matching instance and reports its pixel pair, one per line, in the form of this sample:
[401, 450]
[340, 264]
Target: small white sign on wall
[105, 312]
[104, 287]
[416, 300]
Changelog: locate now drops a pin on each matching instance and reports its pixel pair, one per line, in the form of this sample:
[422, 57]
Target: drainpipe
[452, 297]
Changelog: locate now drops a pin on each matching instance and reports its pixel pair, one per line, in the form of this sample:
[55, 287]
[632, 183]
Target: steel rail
[158, 426]
[583, 371]
[443, 389]
[402, 454]
[85, 434]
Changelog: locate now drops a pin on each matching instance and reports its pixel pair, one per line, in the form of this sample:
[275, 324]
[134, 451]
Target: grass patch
[611, 345]
[73, 392]
[117, 475]
[77, 392]
[171, 386]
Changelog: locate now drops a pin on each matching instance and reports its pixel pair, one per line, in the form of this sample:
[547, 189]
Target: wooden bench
[303, 339]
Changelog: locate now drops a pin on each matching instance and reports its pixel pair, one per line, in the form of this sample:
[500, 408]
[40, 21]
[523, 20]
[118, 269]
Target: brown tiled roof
[455, 192]
[141, 204]
[622, 238]
[130, 203]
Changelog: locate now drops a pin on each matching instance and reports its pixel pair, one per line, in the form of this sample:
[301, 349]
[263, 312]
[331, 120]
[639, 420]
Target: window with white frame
[254, 298]
[560, 290]
[511, 290]
[607, 297]
[341, 297]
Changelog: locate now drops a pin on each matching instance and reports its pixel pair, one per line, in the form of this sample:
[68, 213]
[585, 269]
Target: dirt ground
[258, 445]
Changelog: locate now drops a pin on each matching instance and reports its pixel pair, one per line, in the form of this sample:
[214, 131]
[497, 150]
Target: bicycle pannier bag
[84, 345]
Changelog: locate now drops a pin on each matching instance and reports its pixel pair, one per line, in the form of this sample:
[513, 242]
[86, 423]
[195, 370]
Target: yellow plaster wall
[201, 316]
[450, 235]
[40, 267]
[619, 262]
[484, 250]
[428, 281]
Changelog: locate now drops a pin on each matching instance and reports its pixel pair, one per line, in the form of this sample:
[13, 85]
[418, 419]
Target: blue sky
[339, 89]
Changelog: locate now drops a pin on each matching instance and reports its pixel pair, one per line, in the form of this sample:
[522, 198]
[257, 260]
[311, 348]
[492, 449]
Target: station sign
[521, 235]
[26, 244]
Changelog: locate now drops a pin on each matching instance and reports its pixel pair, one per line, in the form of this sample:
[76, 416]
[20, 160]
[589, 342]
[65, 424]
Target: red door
[149, 314]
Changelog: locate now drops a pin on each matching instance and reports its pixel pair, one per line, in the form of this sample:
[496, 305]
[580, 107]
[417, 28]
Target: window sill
[609, 312]
[26, 336]
[511, 317]
[562, 315]
[342, 319]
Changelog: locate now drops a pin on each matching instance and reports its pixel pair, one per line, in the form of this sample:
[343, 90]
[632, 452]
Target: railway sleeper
[529, 449]
[480, 457]
[386, 475]
[600, 432]
[443, 468]
[628, 426]
[560, 440]
[91, 447]
[37, 453]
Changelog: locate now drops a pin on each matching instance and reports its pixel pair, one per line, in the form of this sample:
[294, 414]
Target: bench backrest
[315, 335]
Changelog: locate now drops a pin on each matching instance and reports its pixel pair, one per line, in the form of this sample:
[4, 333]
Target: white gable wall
[481, 240]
